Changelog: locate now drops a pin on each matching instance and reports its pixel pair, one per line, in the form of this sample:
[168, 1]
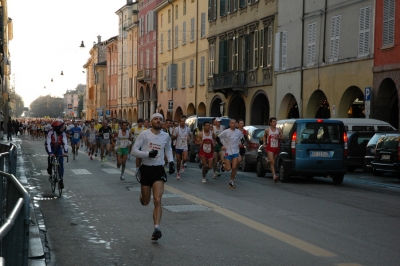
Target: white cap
[156, 115]
[218, 119]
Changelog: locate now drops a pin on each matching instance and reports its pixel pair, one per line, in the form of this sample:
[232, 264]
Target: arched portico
[259, 109]
[352, 103]
[141, 103]
[201, 110]
[318, 106]
[387, 102]
[237, 108]
[215, 106]
[289, 107]
[190, 110]
[178, 113]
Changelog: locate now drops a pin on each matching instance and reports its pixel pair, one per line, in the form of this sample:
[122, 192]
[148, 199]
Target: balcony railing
[229, 81]
[146, 74]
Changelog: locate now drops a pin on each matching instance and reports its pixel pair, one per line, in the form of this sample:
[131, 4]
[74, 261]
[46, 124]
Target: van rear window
[319, 133]
[363, 128]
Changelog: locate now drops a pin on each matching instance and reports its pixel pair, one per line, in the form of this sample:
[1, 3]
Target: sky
[46, 40]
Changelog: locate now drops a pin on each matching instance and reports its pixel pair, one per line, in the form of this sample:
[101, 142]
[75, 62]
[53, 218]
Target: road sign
[108, 112]
[170, 105]
[367, 102]
[367, 95]
[99, 109]
[100, 113]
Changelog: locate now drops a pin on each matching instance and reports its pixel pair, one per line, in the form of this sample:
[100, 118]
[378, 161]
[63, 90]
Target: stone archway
[141, 103]
[129, 118]
[387, 103]
[352, 103]
[215, 107]
[259, 109]
[201, 110]
[153, 99]
[119, 114]
[178, 113]
[288, 108]
[135, 116]
[237, 108]
[162, 113]
[318, 106]
[146, 102]
[190, 110]
[124, 114]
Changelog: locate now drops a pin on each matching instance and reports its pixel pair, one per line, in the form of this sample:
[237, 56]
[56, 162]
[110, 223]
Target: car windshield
[374, 139]
[258, 133]
[314, 132]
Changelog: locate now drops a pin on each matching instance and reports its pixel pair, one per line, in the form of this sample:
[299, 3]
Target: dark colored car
[357, 141]
[195, 122]
[249, 161]
[311, 147]
[370, 151]
[387, 155]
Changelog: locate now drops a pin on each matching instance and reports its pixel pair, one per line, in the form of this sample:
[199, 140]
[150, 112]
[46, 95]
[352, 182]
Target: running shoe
[113, 158]
[105, 158]
[215, 175]
[102, 162]
[178, 176]
[185, 165]
[122, 177]
[231, 185]
[204, 180]
[183, 168]
[91, 158]
[156, 234]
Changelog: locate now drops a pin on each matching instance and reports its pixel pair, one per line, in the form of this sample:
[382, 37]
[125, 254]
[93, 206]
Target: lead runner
[150, 146]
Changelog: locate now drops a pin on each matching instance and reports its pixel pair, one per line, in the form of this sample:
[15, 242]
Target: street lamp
[82, 46]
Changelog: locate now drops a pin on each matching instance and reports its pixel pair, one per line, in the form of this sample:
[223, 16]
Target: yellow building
[182, 57]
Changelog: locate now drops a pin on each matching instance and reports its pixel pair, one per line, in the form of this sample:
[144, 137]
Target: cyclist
[76, 133]
[121, 141]
[56, 145]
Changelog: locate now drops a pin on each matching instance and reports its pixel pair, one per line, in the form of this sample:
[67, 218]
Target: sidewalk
[36, 252]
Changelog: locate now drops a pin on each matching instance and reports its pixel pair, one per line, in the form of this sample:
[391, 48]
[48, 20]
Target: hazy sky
[47, 35]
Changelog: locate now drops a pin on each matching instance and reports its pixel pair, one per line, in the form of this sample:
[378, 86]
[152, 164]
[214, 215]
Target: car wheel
[337, 179]
[246, 167]
[376, 173]
[351, 168]
[260, 171]
[283, 174]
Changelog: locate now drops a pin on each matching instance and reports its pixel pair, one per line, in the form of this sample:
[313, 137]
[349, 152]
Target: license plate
[319, 154]
[385, 157]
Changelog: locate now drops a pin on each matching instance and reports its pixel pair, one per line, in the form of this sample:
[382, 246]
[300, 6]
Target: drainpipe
[324, 41]
[197, 51]
[172, 51]
[302, 61]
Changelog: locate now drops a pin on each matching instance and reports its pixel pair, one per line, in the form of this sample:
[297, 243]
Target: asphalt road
[98, 220]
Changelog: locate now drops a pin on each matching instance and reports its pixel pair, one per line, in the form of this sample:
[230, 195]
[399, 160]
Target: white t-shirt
[147, 141]
[218, 131]
[182, 139]
[230, 139]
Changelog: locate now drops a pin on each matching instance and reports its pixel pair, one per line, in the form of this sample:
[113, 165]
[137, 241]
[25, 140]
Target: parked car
[357, 141]
[366, 124]
[387, 155]
[311, 147]
[249, 161]
[195, 122]
[370, 151]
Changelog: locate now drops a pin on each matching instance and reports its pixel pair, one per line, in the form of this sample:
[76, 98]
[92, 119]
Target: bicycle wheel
[60, 188]
[54, 178]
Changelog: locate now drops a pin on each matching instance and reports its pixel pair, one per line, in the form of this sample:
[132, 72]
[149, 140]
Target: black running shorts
[151, 174]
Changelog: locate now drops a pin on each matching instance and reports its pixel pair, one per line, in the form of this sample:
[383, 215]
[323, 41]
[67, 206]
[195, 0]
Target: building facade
[71, 101]
[241, 81]
[182, 58]
[112, 78]
[386, 70]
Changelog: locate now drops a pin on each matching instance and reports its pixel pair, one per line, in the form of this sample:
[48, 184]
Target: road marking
[111, 170]
[348, 264]
[81, 171]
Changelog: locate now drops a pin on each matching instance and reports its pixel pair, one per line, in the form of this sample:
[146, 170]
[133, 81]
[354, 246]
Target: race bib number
[183, 141]
[274, 143]
[92, 137]
[124, 143]
[76, 135]
[207, 148]
[156, 147]
[106, 135]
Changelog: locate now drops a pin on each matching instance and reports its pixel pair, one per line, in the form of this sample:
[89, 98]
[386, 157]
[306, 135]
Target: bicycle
[54, 180]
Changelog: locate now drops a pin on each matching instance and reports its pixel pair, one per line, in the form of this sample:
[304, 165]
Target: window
[176, 12]
[255, 50]
[169, 16]
[141, 59]
[234, 53]
[183, 74]
[176, 36]
[222, 8]
[269, 46]
[109, 69]
[130, 85]
[312, 33]
[262, 43]
[184, 7]
[161, 20]
[161, 43]
[232, 6]
[284, 50]
[335, 32]
[162, 80]
[242, 3]
[192, 30]
[388, 22]
[147, 58]
[124, 88]
[169, 40]
[109, 92]
[212, 10]
[134, 53]
[211, 54]
[203, 25]
[191, 73]
[223, 57]
[363, 34]
[202, 65]
[184, 33]
[280, 51]
[154, 56]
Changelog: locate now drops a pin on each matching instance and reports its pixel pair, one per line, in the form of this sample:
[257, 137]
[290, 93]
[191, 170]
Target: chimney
[129, 1]
[99, 39]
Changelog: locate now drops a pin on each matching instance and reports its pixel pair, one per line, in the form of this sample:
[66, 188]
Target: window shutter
[162, 80]
[277, 51]
[221, 58]
[161, 42]
[172, 72]
[255, 59]
[184, 33]
[154, 56]
[183, 74]
[388, 22]
[202, 62]
[209, 10]
[191, 72]
[169, 39]
[364, 31]
[284, 50]
[215, 10]
[222, 8]
[203, 25]
[192, 30]
[312, 31]
[176, 36]
[335, 33]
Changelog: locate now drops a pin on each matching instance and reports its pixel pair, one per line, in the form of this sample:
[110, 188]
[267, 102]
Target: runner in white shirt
[229, 140]
[182, 136]
[150, 146]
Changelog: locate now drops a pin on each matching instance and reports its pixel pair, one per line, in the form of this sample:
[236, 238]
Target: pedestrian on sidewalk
[9, 129]
[150, 146]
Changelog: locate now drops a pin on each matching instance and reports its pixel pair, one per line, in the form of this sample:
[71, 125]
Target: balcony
[229, 82]
[146, 74]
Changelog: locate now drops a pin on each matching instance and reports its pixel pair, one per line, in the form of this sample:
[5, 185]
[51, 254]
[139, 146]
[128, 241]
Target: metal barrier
[14, 211]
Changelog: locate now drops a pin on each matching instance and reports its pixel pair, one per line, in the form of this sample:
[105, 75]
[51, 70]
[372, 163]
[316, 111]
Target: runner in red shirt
[206, 140]
[272, 137]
